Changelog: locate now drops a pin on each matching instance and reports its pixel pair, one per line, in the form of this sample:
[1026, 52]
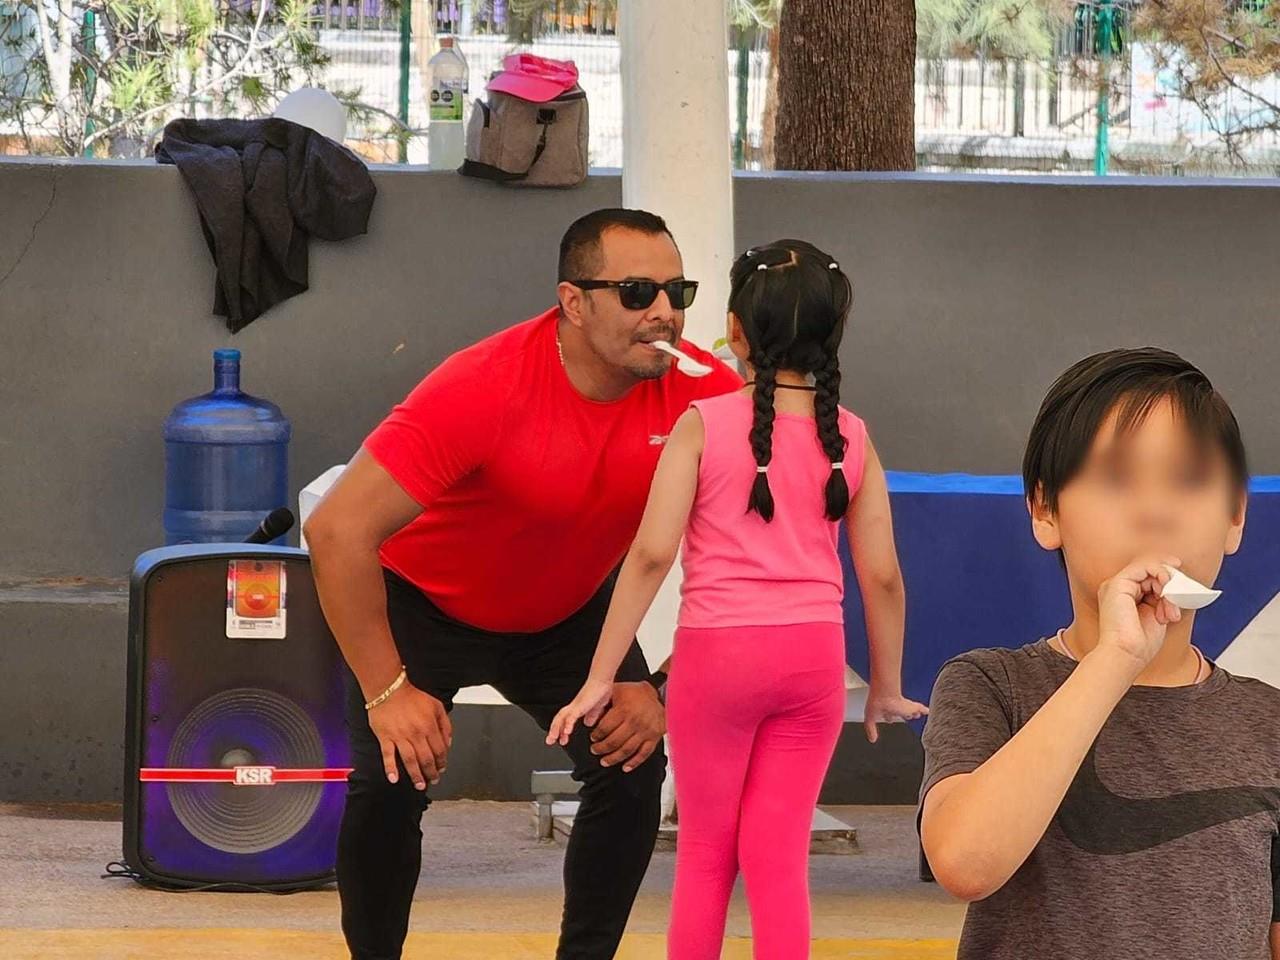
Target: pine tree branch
[396, 122]
[1231, 81]
[1233, 42]
[241, 66]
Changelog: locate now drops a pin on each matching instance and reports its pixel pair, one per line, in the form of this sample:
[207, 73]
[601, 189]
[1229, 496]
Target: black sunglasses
[639, 294]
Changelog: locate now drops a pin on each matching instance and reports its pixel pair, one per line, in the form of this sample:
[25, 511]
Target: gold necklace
[559, 348]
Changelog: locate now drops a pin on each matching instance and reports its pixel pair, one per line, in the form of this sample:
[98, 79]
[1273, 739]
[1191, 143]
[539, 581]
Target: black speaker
[236, 755]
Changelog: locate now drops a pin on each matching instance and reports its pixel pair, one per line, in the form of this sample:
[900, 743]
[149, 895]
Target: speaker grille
[245, 727]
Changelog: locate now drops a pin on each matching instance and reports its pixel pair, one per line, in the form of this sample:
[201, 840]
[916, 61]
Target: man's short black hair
[1132, 382]
[580, 247]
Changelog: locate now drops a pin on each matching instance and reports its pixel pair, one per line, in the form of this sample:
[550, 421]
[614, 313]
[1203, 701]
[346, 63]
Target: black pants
[380, 842]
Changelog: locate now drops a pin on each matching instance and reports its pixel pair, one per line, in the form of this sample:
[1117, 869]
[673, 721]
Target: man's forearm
[353, 596]
[986, 824]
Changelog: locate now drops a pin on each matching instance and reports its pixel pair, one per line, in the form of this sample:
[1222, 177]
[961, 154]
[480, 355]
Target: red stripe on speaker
[228, 775]
[307, 776]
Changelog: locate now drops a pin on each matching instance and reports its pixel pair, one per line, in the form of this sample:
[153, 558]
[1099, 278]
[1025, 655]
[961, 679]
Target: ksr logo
[255, 776]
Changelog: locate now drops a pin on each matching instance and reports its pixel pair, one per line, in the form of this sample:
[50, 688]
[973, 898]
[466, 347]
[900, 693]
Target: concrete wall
[971, 294]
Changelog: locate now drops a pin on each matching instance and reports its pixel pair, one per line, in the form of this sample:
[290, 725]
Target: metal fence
[345, 15]
[378, 60]
[1030, 101]
[1016, 98]
[980, 112]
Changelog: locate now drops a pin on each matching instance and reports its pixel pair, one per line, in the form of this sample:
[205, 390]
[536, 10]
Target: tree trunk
[769, 144]
[846, 85]
[53, 25]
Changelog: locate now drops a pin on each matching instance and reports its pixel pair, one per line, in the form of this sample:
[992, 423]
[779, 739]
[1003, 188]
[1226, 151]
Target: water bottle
[450, 83]
[226, 461]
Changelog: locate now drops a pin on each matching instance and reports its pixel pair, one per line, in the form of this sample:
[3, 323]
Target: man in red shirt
[473, 540]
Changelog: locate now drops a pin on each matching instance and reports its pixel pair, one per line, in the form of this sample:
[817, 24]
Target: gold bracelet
[396, 684]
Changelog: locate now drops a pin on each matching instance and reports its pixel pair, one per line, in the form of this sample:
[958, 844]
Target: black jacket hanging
[262, 188]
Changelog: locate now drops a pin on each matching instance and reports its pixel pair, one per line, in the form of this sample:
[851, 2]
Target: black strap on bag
[484, 171]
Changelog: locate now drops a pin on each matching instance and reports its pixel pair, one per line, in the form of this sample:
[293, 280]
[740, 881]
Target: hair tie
[833, 265]
[763, 266]
[837, 465]
[762, 469]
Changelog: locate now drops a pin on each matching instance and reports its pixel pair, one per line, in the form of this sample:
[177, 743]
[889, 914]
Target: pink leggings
[753, 715]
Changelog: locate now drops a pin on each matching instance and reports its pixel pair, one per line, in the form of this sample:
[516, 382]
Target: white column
[676, 159]
[676, 163]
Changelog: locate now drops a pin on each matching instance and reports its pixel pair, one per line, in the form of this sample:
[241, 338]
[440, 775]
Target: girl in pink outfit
[756, 483]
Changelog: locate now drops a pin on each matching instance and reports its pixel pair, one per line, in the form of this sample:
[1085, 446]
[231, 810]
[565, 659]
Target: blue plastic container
[226, 461]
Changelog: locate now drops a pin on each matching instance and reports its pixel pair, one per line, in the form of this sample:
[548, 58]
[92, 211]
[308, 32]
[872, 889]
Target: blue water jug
[226, 461]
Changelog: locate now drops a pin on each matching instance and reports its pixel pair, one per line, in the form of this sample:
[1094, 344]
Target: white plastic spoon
[684, 363]
[1187, 593]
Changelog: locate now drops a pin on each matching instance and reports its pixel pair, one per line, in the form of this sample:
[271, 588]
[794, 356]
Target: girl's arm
[656, 545]
[875, 560]
[648, 561]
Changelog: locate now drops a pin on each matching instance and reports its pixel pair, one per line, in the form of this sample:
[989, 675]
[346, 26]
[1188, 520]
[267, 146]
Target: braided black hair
[792, 300]
[826, 405]
[761, 500]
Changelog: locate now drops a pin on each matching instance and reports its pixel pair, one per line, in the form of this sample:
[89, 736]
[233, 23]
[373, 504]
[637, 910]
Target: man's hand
[415, 725]
[629, 731]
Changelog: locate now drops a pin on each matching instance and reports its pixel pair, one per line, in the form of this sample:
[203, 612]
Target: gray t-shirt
[1165, 844]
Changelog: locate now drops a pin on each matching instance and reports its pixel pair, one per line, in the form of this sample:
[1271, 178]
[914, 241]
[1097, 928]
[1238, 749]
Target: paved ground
[487, 890]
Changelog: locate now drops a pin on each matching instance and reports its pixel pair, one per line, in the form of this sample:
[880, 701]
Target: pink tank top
[740, 570]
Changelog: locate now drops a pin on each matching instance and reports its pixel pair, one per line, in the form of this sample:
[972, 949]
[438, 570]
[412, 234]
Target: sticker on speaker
[257, 599]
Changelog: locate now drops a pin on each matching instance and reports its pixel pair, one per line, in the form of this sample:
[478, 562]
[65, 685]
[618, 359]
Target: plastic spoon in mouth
[1187, 593]
[684, 363]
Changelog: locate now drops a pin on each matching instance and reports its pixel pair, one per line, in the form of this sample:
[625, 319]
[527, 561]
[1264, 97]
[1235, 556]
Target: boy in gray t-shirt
[1108, 792]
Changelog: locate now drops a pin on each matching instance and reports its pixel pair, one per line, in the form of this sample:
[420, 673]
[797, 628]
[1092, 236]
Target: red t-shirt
[531, 492]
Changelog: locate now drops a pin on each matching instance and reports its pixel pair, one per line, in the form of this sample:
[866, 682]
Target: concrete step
[828, 834]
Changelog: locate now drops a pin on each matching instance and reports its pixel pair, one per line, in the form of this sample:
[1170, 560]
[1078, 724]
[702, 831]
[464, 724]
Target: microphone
[277, 523]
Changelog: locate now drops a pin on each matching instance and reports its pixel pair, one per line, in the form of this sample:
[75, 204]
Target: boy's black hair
[580, 245]
[1131, 382]
[792, 300]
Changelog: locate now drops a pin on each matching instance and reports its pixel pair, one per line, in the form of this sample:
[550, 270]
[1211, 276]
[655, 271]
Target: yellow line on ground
[237, 944]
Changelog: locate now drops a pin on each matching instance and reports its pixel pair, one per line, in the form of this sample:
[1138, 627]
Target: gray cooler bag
[526, 144]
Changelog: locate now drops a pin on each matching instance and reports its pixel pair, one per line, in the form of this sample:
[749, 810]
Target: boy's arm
[978, 828]
[1275, 941]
